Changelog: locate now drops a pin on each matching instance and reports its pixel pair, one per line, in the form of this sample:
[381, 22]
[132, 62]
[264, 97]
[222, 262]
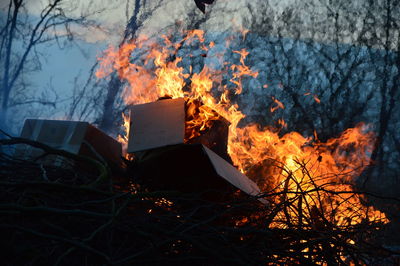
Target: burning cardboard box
[156, 124]
[72, 136]
[167, 161]
[173, 121]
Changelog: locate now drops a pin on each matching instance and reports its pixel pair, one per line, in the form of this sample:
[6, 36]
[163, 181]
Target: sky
[60, 68]
[110, 14]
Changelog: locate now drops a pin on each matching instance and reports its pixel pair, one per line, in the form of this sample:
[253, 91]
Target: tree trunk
[5, 87]
[108, 117]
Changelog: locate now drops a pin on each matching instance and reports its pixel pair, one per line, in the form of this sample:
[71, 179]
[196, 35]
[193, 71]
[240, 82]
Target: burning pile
[85, 211]
[290, 163]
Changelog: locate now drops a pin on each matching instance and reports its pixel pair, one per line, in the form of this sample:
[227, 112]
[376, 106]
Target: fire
[282, 123]
[124, 138]
[278, 104]
[290, 163]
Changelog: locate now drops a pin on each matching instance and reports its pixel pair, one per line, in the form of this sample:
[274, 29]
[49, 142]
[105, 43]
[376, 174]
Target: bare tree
[20, 37]
[142, 10]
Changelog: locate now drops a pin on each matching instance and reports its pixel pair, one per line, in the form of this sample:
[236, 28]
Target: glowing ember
[290, 163]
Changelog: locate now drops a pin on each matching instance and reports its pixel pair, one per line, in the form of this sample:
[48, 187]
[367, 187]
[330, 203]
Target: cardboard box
[72, 136]
[164, 161]
[191, 168]
[162, 123]
[156, 124]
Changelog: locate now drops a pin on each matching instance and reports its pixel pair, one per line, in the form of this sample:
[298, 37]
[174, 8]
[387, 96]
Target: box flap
[105, 146]
[231, 174]
[157, 124]
[65, 135]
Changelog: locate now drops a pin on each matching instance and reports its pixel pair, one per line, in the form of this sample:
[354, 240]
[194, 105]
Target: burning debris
[185, 145]
[175, 121]
[290, 163]
[187, 154]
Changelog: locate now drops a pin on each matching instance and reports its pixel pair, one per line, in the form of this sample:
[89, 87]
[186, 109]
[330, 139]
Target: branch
[103, 169]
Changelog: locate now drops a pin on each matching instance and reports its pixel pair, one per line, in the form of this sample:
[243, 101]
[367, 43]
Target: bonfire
[309, 209]
[303, 168]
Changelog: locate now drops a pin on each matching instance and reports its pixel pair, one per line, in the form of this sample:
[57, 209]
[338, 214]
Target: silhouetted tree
[20, 36]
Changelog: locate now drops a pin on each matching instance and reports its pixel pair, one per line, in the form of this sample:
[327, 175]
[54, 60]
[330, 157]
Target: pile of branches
[75, 215]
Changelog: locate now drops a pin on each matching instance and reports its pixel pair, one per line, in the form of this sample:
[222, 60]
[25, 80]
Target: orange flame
[332, 165]
[124, 138]
[282, 123]
[278, 105]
